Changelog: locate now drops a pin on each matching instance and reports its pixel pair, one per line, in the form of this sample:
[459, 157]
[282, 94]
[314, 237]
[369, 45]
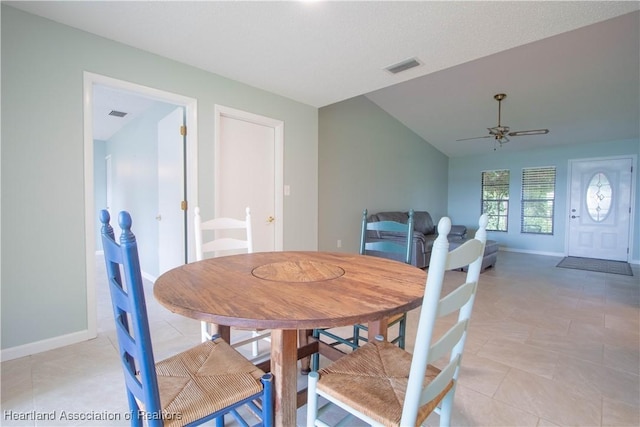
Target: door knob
[159, 217]
[575, 216]
[270, 219]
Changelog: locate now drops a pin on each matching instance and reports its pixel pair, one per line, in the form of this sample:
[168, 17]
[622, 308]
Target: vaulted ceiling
[571, 67]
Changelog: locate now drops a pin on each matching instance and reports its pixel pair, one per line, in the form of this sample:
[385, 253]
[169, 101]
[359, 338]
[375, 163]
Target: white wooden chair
[384, 385]
[224, 245]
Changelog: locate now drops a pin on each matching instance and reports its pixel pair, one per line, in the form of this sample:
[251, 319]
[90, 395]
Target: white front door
[249, 152]
[600, 208]
[171, 217]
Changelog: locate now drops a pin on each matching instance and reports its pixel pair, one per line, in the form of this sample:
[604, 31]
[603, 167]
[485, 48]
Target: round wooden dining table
[290, 291]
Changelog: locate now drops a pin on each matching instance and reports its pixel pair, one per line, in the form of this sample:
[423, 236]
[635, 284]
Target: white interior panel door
[171, 217]
[600, 210]
[249, 173]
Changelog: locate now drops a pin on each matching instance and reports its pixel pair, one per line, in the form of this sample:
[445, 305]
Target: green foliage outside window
[495, 198]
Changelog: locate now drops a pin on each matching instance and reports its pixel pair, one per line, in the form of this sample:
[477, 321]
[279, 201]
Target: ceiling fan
[500, 132]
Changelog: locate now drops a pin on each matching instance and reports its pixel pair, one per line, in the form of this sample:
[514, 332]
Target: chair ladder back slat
[464, 254]
[222, 243]
[385, 246]
[456, 299]
[223, 224]
[438, 384]
[447, 341]
[387, 226]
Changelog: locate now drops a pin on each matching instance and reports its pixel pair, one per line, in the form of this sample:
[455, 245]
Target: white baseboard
[525, 251]
[558, 254]
[44, 345]
[55, 342]
[149, 277]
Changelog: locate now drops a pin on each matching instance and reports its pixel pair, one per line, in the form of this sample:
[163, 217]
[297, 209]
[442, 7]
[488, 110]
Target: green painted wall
[368, 159]
[44, 295]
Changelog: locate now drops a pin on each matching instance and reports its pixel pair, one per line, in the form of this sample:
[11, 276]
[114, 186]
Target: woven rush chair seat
[374, 382]
[204, 379]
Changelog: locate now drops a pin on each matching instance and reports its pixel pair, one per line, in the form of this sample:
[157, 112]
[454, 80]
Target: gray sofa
[423, 235]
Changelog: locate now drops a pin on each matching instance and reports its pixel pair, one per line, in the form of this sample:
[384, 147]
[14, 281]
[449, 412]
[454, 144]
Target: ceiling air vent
[403, 66]
[117, 113]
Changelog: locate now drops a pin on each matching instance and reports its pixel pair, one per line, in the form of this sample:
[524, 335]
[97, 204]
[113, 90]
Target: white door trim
[634, 163]
[190, 104]
[278, 128]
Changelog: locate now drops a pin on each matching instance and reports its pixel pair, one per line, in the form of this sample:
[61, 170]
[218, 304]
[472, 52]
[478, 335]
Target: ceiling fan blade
[475, 137]
[529, 132]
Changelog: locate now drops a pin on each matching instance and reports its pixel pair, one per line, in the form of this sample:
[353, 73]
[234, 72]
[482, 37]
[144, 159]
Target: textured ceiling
[320, 53]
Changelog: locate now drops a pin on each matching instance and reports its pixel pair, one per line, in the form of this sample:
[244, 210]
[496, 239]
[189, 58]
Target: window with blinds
[538, 200]
[495, 198]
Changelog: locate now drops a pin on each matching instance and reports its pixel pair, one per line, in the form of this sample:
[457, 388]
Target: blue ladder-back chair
[200, 384]
[402, 247]
[383, 384]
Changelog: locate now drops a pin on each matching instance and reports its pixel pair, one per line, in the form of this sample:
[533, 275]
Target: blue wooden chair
[383, 384]
[402, 249]
[401, 246]
[200, 384]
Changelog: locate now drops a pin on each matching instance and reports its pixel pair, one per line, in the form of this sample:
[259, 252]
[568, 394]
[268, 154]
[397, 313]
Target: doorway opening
[166, 104]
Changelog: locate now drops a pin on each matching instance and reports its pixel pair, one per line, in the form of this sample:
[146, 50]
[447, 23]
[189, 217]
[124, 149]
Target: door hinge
[183, 205]
[183, 130]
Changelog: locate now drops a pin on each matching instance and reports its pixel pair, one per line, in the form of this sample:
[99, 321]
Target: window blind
[538, 200]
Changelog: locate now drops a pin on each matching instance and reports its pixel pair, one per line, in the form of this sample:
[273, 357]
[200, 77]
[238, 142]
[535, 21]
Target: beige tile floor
[547, 347]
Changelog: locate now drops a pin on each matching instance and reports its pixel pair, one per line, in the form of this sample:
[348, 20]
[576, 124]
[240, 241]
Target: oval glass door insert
[599, 197]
